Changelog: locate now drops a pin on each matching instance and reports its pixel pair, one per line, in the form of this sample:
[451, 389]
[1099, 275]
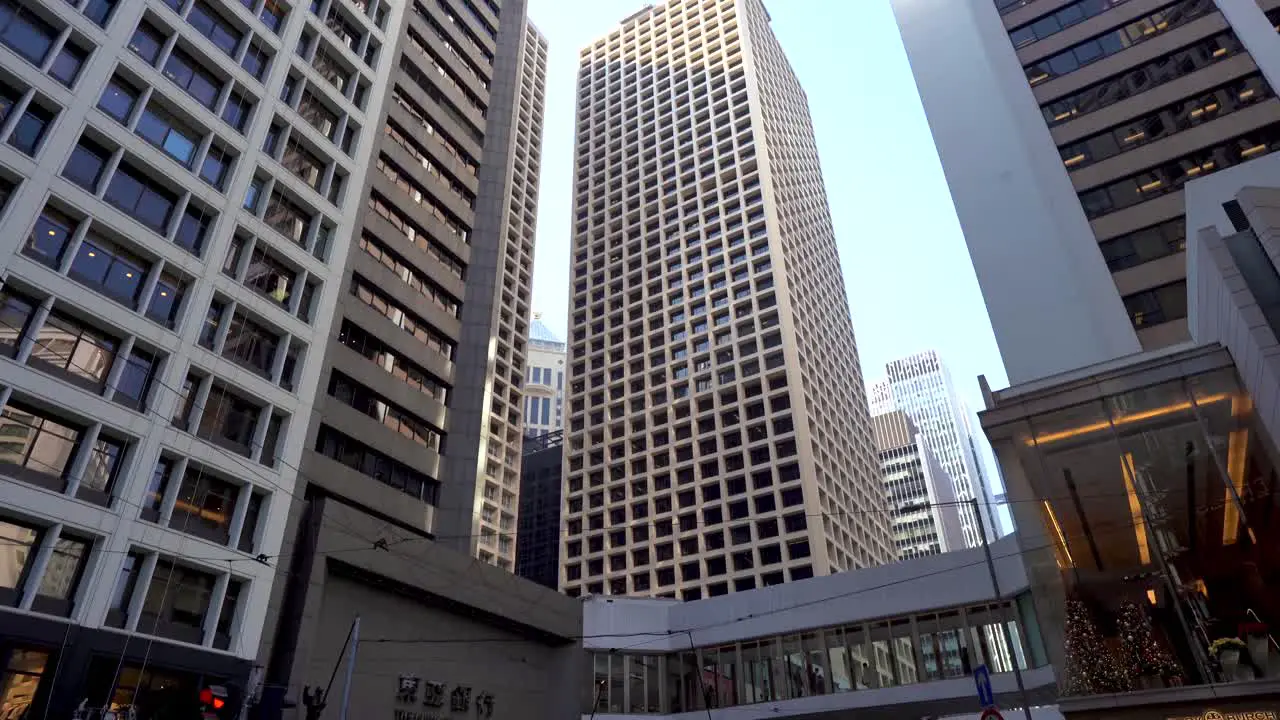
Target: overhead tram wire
[381, 543]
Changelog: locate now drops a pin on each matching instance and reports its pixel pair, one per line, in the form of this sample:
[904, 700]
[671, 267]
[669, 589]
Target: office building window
[1144, 245]
[1158, 305]
[75, 350]
[176, 603]
[109, 269]
[30, 128]
[56, 592]
[49, 238]
[25, 32]
[137, 195]
[85, 166]
[205, 505]
[369, 462]
[122, 592]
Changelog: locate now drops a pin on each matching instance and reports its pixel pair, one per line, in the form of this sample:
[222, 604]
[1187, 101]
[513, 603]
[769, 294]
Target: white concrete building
[921, 386]
[544, 381]
[178, 183]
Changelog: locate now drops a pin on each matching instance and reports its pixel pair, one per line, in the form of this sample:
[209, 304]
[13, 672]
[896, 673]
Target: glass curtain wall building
[1144, 500]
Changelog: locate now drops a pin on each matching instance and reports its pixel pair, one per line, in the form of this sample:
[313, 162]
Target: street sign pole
[1008, 638]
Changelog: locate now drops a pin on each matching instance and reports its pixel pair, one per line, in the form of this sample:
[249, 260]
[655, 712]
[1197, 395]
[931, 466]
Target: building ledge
[1169, 696]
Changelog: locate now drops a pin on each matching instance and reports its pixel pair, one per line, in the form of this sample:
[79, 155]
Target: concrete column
[260, 433]
[15, 113]
[299, 286]
[48, 540]
[202, 151]
[238, 516]
[112, 164]
[34, 324]
[55, 48]
[215, 607]
[166, 49]
[81, 460]
[282, 353]
[73, 247]
[118, 366]
[224, 326]
[246, 255]
[145, 574]
[170, 499]
[149, 285]
[197, 407]
[143, 98]
[179, 208]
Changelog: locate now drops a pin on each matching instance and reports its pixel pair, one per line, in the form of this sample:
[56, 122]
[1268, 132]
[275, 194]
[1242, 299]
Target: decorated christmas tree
[1092, 668]
[1142, 654]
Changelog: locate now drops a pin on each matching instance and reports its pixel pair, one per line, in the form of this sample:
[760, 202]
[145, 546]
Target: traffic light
[215, 703]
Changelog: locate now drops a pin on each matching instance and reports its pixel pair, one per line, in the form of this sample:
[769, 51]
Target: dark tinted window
[24, 32]
[86, 163]
[131, 191]
[147, 41]
[66, 67]
[30, 128]
[188, 74]
[49, 237]
[118, 99]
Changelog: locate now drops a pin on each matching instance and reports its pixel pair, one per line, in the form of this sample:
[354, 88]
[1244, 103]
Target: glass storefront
[1150, 524]
[20, 677]
[883, 653]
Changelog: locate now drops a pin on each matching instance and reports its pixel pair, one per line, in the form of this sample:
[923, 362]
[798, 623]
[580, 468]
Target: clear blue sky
[906, 269]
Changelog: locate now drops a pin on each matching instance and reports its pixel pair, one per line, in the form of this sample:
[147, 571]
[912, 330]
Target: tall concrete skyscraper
[921, 386]
[1067, 171]
[421, 392]
[717, 430]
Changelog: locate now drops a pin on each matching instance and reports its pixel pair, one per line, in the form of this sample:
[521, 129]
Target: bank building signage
[439, 701]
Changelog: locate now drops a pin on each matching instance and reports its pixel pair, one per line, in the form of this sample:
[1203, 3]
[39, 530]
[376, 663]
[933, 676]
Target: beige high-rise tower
[717, 429]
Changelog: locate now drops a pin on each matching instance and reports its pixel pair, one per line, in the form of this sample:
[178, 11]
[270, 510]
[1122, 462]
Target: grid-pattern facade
[177, 183]
[921, 386]
[920, 494]
[420, 396]
[704, 455]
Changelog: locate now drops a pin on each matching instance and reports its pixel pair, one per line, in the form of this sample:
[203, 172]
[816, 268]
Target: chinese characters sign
[439, 701]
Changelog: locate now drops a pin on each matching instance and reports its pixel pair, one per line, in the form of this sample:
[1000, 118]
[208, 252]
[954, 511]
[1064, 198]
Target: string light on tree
[1092, 668]
[1143, 655]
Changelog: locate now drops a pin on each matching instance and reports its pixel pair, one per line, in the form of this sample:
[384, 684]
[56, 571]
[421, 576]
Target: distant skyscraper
[921, 386]
[1068, 175]
[880, 397]
[917, 489]
[544, 380]
[712, 352]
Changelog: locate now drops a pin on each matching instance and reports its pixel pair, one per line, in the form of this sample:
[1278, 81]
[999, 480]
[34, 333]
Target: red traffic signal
[214, 697]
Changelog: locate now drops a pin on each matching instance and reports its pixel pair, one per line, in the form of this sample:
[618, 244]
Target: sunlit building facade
[717, 437]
